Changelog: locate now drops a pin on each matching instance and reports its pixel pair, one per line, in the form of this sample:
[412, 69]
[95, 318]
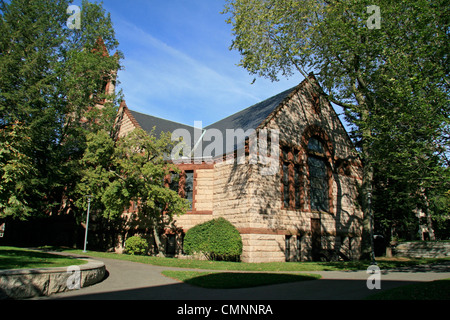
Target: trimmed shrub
[136, 245]
[217, 239]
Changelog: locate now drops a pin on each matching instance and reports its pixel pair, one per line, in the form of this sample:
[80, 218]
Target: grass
[383, 263]
[234, 280]
[435, 290]
[19, 258]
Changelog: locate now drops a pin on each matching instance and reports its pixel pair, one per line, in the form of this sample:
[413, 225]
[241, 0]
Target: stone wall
[28, 283]
[231, 200]
[267, 224]
[423, 249]
[204, 190]
[203, 197]
[126, 122]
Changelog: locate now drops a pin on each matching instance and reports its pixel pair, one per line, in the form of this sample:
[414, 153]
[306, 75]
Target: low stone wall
[423, 249]
[28, 283]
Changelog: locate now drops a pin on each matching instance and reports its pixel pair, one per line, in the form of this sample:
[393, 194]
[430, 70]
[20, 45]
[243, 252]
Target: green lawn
[383, 263]
[233, 280]
[19, 258]
[24, 257]
[435, 290]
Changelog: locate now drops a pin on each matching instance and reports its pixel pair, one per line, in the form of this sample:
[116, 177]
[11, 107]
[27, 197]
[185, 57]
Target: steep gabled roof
[149, 123]
[252, 117]
[249, 118]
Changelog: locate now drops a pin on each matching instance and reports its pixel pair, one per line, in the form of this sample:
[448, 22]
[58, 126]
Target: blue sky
[178, 65]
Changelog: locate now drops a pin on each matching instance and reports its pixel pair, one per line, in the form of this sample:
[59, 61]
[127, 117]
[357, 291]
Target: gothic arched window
[318, 177]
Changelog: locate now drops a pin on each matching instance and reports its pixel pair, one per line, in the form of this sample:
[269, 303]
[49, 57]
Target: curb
[29, 283]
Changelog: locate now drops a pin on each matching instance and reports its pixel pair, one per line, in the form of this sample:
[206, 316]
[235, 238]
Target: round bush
[217, 239]
[136, 245]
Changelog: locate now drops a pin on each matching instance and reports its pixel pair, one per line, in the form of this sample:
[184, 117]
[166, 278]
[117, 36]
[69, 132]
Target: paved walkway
[136, 281]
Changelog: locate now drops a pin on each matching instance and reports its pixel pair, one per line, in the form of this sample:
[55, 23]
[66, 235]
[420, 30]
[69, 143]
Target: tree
[51, 79]
[16, 172]
[131, 169]
[383, 76]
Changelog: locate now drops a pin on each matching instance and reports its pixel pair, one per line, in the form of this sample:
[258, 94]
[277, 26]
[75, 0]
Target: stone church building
[306, 210]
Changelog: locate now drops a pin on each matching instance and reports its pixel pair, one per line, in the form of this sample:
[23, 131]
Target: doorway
[316, 240]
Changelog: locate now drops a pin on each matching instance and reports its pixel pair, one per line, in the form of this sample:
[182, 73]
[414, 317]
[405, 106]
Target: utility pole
[369, 203]
[87, 222]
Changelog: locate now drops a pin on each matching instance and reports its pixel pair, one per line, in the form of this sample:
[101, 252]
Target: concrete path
[137, 281]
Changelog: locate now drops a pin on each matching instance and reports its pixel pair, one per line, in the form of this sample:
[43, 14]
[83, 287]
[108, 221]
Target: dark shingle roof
[148, 123]
[249, 118]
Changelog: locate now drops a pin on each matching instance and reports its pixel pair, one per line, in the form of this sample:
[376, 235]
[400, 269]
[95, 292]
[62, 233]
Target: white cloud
[182, 85]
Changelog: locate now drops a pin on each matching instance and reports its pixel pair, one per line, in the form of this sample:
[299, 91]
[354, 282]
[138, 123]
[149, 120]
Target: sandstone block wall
[340, 228]
[203, 199]
[126, 124]
[423, 249]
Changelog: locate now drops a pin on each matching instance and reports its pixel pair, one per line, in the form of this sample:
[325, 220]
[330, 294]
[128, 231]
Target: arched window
[291, 178]
[318, 177]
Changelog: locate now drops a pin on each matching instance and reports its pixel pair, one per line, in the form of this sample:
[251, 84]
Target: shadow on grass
[383, 263]
[234, 280]
[434, 290]
[15, 258]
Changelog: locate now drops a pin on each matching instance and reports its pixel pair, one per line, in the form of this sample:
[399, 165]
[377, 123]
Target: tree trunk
[429, 221]
[157, 242]
[367, 245]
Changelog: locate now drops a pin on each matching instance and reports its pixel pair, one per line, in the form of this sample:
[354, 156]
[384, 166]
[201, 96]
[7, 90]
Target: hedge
[217, 239]
[136, 245]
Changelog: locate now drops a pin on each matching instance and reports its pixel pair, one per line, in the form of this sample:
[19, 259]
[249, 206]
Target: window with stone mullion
[291, 179]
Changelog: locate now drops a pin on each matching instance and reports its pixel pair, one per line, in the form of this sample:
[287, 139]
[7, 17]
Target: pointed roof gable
[148, 123]
[252, 117]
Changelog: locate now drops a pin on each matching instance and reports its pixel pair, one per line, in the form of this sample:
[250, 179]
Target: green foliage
[217, 239]
[131, 169]
[51, 78]
[136, 245]
[392, 83]
[16, 173]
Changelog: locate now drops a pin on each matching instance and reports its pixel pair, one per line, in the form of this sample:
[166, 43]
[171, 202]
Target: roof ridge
[239, 119]
[253, 105]
[293, 90]
[155, 117]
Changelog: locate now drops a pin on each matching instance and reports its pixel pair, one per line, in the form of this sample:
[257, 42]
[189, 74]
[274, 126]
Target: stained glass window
[315, 145]
[189, 186]
[286, 184]
[174, 182]
[317, 176]
[297, 184]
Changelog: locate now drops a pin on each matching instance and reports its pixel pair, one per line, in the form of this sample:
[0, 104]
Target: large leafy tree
[51, 79]
[133, 169]
[388, 69]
